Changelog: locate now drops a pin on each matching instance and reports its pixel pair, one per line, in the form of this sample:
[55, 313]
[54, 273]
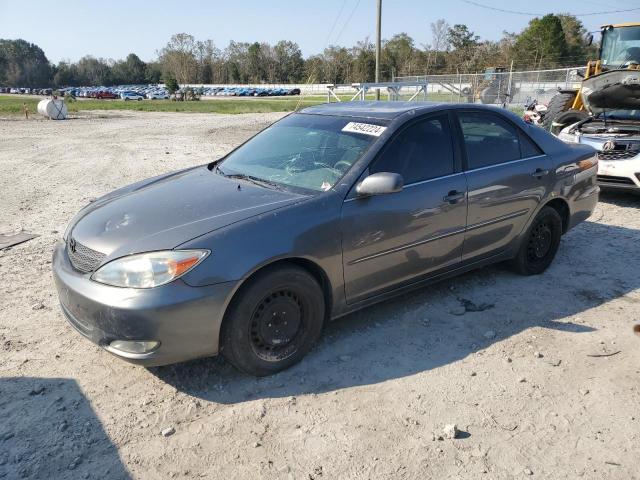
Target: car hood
[612, 90]
[164, 212]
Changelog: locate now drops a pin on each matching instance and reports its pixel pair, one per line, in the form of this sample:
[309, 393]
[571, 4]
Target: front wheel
[540, 245]
[274, 321]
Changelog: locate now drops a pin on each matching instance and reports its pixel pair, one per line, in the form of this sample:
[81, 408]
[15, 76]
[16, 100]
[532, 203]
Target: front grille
[83, 258]
[615, 180]
[617, 154]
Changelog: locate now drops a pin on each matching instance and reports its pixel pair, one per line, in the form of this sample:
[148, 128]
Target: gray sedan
[331, 209]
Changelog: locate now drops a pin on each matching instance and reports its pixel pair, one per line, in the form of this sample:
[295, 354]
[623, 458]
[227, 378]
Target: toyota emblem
[609, 145]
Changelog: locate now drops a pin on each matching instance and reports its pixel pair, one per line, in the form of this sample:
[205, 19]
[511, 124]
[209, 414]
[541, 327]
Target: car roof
[383, 110]
[371, 109]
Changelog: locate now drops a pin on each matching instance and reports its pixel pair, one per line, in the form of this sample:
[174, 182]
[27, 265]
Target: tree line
[548, 42]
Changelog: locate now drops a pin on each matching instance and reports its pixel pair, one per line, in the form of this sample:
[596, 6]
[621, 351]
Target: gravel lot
[517, 369]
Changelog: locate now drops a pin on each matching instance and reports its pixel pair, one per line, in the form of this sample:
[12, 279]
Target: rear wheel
[540, 244]
[274, 321]
[559, 103]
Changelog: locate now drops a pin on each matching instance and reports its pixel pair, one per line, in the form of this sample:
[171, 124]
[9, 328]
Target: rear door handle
[539, 173]
[454, 196]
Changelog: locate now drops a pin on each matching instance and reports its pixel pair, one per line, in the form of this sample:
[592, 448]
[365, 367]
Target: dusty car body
[344, 240]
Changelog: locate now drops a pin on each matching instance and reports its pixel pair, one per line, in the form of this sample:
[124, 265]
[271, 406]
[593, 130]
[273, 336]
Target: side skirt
[350, 308]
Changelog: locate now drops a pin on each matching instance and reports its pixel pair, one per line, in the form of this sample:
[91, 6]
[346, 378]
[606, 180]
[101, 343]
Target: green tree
[152, 72]
[464, 44]
[178, 58]
[364, 61]
[288, 62]
[129, 71]
[574, 32]
[460, 37]
[23, 64]
[255, 63]
[93, 71]
[398, 56]
[171, 85]
[542, 44]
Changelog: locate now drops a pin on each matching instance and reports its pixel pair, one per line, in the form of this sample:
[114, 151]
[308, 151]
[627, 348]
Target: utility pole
[378, 33]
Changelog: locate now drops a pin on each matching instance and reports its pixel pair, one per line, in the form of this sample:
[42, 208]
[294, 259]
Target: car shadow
[440, 324]
[49, 430]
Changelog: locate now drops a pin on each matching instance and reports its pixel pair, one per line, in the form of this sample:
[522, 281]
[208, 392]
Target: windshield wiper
[250, 178]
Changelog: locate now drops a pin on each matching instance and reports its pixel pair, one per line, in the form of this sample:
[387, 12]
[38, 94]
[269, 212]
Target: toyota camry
[328, 210]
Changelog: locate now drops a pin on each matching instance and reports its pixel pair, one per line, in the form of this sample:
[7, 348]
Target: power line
[335, 22]
[348, 20]
[530, 14]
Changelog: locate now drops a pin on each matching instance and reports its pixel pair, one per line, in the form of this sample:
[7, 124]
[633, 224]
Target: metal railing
[407, 91]
[505, 88]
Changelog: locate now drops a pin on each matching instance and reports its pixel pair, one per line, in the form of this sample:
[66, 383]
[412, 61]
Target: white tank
[53, 109]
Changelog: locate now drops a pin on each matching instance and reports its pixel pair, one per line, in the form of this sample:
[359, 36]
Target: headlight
[567, 137]
[148, 270]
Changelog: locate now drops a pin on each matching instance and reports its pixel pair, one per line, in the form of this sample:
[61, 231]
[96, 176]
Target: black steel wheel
[540, 241]
[277, 325]
[273, 321]
[540, 244]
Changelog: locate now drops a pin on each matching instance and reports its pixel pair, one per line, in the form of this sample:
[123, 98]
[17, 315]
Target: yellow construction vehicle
[610, 82]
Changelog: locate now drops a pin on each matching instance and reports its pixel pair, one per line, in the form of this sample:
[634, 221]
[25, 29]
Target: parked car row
[154, 92]
[124, 92]
[26, 91]
[246, 91]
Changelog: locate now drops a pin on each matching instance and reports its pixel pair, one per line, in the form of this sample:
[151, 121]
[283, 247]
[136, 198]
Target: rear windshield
[306, 151]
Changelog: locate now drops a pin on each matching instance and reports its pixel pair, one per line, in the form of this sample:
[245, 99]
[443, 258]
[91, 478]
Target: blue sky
[112, 29]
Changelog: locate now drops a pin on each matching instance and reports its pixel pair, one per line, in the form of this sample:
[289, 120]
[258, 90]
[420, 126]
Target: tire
[540, 244]
[559, 103]
[259, 347]
[567, 118]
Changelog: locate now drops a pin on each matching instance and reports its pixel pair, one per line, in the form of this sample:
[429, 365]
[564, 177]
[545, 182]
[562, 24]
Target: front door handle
[454, 196]
[539, 173]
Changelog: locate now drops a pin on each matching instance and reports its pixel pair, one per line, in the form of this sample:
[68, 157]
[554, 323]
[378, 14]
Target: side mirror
[588, 39]
[380, 183]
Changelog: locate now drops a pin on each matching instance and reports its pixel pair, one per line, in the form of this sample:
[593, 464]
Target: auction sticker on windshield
[364, 128]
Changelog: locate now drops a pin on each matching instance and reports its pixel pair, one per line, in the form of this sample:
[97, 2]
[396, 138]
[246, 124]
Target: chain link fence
[498, 87]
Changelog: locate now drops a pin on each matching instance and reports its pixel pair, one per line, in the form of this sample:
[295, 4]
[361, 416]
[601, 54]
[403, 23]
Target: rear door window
[528, 148]
[488, 139]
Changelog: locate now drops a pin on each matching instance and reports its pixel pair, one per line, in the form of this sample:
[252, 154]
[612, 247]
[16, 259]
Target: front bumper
[185, 320]
[620, 174]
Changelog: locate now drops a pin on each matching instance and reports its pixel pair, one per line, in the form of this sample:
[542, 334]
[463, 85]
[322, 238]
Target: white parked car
[131, 96]
[616, 136]
[158, 96]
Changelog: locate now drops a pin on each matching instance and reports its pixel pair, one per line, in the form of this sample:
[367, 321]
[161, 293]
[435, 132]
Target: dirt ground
[513, 361]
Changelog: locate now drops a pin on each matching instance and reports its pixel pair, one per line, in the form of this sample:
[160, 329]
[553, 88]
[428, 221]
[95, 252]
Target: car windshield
[620, 46]
[305, 151]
